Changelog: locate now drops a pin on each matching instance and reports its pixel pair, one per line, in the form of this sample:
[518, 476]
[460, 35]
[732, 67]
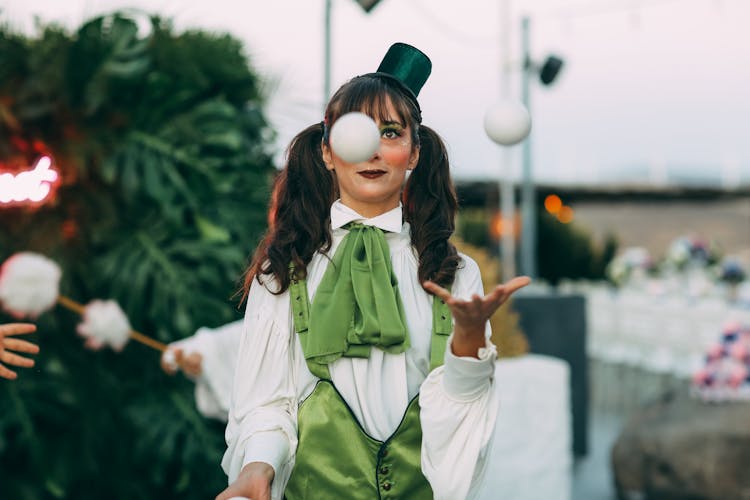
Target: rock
[682, 448]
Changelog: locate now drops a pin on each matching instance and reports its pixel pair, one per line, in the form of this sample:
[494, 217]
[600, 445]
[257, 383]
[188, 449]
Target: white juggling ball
[355, 137]
[507, 123]
[29, 284]
[104, 324]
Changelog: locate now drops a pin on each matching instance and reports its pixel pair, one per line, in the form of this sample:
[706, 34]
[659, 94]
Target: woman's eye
[390, 133]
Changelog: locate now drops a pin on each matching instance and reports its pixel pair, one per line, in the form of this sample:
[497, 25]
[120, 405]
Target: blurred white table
[667, 334]
[532, 453]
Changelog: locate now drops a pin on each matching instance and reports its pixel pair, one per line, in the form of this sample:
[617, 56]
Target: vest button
[384, 453]
[384, 470]
[386, 485]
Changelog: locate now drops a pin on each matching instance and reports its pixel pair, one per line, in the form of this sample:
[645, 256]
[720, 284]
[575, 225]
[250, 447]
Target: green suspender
[442, 327]
[301, 315]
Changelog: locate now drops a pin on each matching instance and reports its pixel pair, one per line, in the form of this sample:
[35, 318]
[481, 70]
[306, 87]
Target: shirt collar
[390, 221]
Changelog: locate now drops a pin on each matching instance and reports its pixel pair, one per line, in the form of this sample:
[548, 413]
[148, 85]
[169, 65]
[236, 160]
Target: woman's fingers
[501, 292]
[478, 306]
[175, 358]
[7, 345]
[17, 328]
[7, 374]
[516, 283]
[20, 346]
[191, 364]
[16, 360]
[438, 291]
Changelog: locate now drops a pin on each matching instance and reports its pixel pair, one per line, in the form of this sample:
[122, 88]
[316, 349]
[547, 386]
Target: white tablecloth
[532, 451]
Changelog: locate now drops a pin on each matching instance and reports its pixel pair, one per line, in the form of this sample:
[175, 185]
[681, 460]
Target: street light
[547, 73]
[367, 6]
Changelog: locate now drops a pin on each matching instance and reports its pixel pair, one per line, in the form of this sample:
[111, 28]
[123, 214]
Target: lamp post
[367, 6]
[506, 189]
[326, 52]
[547, 73]
[528, 205]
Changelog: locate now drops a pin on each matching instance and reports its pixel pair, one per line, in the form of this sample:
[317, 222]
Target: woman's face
[373, 187]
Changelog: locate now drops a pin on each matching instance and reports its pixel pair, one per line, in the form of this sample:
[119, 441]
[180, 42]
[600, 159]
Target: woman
[347, 384]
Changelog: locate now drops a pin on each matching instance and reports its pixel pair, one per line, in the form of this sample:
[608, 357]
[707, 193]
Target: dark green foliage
[565, 251]
[162, 146]
[474, 228]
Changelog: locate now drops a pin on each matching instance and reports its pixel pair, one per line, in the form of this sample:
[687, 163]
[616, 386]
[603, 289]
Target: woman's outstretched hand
[10, 344]
[471, 315]
[191, 363]
[254, 482]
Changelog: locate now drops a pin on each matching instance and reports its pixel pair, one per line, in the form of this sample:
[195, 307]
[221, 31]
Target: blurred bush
[162, 147]
[564, 251]
[473, 227]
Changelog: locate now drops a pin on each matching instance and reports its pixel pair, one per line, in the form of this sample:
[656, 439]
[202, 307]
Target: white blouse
[458, 400]
[218, 350]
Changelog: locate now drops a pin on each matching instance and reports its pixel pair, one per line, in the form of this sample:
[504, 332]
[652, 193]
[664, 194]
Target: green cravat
[357, 304]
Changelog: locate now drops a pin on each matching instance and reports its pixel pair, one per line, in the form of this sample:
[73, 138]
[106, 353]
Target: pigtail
[298, 216]
[430, 206]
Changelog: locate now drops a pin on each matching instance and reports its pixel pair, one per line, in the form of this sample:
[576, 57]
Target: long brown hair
[304, 191]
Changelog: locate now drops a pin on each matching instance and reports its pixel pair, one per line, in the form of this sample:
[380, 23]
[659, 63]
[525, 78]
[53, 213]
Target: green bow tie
[357, 304]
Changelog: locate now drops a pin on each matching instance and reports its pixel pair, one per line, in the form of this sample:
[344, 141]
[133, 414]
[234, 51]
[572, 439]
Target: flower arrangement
[632, 262]
[731, 271]
[691, 265]
[691, 249]
[725, 375]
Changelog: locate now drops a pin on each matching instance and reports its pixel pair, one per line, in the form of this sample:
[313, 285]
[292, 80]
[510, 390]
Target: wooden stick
[137, 336]
[71, 304]
[145, 340]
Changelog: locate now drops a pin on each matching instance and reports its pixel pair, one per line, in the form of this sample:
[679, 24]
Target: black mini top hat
[406, 64]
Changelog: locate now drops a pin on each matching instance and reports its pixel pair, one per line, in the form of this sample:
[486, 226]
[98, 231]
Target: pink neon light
[30, 186]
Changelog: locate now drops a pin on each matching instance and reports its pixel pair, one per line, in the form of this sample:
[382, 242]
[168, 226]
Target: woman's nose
[376, 154]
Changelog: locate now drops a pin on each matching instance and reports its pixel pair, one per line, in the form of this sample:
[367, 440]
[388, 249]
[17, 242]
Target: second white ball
[355, 137]
[507, 122]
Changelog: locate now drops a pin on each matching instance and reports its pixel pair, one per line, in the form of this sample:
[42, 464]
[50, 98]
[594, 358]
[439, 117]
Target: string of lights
[578, 10]
[595, 8]
[448, 29]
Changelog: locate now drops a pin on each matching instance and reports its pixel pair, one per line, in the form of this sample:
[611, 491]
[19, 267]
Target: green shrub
[162, 147]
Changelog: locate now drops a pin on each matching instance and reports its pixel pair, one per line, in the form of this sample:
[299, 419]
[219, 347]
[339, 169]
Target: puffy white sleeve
[459, 405]
[218, 349]
[262, 423]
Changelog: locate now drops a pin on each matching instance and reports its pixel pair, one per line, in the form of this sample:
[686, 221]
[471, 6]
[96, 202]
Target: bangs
[370, 95]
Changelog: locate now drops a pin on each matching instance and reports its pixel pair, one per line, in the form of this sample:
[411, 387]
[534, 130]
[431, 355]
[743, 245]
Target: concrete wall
[655, 224]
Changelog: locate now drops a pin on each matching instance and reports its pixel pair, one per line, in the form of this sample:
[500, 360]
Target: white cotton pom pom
[104, 323]
[169, 359]
[29, 284]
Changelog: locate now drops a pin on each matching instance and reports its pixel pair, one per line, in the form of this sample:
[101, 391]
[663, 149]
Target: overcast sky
[651, 89]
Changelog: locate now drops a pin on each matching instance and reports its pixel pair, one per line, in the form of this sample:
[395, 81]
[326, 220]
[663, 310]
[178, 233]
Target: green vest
[336, 458]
